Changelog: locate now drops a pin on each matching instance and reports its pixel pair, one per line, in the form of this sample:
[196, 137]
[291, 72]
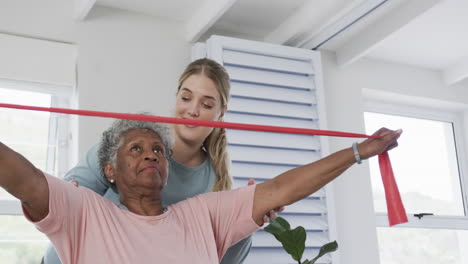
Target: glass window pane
[425, 165]
[26, 132]
[20, 242]
[428, 246]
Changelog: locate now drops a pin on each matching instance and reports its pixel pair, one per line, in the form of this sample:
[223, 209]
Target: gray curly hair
[111, 139]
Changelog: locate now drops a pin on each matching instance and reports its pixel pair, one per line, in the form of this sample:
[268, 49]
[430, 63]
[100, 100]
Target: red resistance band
[396, 211]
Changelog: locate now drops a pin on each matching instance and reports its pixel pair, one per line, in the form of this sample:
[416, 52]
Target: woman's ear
[109, 172]
[223, 110]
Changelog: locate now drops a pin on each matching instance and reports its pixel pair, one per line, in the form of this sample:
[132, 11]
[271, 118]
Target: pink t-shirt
[86, 228]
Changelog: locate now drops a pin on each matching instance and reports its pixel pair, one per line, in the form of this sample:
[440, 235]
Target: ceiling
[436, 39]
[425, 33]
[178, 10]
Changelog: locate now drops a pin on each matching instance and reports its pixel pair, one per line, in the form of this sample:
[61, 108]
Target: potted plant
[293, 240]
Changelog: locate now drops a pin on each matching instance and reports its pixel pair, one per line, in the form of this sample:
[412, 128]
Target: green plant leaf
[277, 226]
[327, 248]
[294, 242]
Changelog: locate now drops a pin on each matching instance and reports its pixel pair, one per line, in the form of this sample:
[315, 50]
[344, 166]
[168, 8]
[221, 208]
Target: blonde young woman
[199, 163]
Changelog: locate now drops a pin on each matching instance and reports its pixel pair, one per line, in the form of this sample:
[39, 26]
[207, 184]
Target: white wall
[343, 91]
[127, 62]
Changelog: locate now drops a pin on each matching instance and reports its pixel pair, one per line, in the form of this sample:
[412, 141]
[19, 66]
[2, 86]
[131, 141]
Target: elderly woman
[86, 228]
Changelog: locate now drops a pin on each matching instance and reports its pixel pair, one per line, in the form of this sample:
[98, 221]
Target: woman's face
[197, 98]
[141, 166]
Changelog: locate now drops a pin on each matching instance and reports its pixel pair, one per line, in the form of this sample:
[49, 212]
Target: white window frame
[444, 113]
[62, 129]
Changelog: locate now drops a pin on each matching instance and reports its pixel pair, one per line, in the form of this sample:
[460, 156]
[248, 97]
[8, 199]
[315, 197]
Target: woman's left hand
[273, 213]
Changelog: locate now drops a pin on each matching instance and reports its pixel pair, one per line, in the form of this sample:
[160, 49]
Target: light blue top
[183, 182]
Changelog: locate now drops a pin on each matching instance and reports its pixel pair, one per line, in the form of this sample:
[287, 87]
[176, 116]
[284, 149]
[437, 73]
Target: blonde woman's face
[197, 99]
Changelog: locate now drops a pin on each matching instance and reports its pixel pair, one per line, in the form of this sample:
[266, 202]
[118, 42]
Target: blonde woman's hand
[75, 182]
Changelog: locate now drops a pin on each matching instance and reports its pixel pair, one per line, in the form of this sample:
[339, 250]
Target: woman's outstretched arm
[24, 181]
[300, 182]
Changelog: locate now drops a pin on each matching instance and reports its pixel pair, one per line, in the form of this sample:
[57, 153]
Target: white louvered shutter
[281, 86]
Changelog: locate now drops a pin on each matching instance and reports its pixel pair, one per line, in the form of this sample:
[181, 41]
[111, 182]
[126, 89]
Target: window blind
[37, 61]
[282, 86]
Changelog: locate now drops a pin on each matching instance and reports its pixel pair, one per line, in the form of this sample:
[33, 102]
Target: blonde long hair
[216, 142]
